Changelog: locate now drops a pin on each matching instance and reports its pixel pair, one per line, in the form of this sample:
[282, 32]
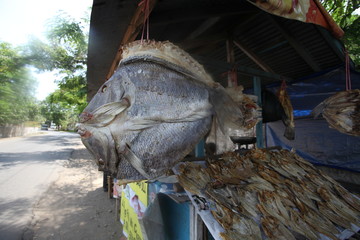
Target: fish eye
[104, 88]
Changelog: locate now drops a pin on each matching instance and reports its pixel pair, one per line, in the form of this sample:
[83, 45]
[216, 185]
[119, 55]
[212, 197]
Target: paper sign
[133, 206]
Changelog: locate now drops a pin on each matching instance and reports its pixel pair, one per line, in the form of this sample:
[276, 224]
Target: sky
[20, 19]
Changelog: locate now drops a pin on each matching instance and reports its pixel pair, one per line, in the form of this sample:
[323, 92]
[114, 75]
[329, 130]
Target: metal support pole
[259, 129]
[200, 149]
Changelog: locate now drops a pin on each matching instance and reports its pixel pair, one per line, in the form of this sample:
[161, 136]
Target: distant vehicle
[44, 127]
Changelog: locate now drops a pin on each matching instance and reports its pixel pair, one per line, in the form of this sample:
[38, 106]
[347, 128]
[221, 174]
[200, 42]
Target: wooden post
[259, 130]
[110, 186]
[232, 74]
[117, 209]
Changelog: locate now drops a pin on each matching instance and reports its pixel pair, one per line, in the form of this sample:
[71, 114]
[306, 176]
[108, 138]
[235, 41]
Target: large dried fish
[342, 111]
[153, 111]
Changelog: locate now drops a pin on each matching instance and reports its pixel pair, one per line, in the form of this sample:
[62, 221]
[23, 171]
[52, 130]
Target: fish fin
[216, 141]
[136, 162]
[317, 110]
[107, 112]
[141, 124]
[289, 133]
[193, 115]
[227, 112]
[166, 179]
[196, 114]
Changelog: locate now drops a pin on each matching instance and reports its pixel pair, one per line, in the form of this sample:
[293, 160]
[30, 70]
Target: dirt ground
[75, 206]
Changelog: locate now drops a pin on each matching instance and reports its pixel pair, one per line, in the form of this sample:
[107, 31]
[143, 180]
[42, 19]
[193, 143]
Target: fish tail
[289, 132]
[227, 113]
[317, 110]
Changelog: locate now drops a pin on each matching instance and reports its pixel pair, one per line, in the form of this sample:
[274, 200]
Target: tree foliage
[17, 103]
[66, 52]
[65, 49]
[343, 12]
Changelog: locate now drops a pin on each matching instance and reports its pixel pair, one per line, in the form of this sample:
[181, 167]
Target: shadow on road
[14, 217]
[8, 159]
[75, 206]
[60, 139]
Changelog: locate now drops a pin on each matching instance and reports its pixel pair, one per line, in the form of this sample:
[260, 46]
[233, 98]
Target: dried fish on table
[284, 196]
[153, 111]
[275, 230]
[236, 226]
[342, 111]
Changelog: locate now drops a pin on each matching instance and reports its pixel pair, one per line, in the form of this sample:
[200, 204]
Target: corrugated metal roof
[290, 49]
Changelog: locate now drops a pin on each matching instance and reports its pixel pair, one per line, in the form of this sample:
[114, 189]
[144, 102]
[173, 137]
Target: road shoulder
[75, 206]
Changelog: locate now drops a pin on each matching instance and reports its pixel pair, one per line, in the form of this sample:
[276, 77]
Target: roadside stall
[196, 129]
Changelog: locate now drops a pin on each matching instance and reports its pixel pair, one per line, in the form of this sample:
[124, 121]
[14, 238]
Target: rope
[282, 87]
[347, 71]
[146, 11]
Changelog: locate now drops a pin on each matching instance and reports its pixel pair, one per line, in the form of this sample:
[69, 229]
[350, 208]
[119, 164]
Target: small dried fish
[275, 230]
[332, 216]
[235, 226]
[268, 206]
[341, 111]
[193, 177]
[248, 202]
[257, 183]
[270, 175]
[286, 103]
[351, 200]
[286, 204]
[300, 226]
[337, 205]
[273, 109]
[321, 224]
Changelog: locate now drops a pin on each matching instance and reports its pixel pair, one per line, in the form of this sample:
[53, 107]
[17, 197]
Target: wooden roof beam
[241, 69]
[178, 16]
[295, 44]
[207, 24]
[190, 44]
[253, 56]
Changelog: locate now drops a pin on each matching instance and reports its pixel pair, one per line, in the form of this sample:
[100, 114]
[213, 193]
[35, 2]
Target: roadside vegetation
[64, 52]
[343, 12]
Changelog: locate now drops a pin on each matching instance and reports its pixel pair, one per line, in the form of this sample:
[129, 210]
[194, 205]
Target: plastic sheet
[318, 143]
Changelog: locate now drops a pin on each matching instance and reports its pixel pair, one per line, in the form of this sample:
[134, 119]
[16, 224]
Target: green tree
[66, 52]
[343, 12]
[17, 87]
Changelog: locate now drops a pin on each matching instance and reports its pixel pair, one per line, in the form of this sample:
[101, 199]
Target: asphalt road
[28, 165]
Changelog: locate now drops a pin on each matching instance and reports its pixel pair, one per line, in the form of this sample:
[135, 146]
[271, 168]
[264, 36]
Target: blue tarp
[314, 140]
[306, 93]
[317, 143]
